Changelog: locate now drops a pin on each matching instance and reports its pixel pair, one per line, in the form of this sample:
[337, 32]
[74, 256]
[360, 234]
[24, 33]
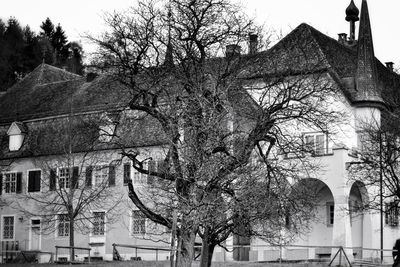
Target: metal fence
[63, 254]
[331, 255]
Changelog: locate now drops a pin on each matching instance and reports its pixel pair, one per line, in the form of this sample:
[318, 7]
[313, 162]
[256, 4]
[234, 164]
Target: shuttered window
[12, 182]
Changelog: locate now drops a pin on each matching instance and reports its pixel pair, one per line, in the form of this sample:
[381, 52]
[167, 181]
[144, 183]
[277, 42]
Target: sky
[79, 17]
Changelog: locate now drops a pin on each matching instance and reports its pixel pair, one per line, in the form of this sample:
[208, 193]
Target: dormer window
[16, 134]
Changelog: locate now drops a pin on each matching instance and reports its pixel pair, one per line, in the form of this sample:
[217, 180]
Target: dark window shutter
[127, 173]
[31, 181]
[75, 176]
[19, 183]
[1, 183]
[34, 181]
[152, 170]
[111, 175]
[52, 184]
[38, 175]
[89, 172]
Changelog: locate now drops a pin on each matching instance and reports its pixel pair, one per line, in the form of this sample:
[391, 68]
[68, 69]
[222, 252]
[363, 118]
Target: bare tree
[75, 183]
[218, 116]
[378, 160]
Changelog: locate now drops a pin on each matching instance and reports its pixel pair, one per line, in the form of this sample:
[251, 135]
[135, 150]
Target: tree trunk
[71, 239]
[184, 256]
[207, 251]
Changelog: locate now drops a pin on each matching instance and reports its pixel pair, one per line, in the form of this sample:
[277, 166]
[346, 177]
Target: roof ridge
[58, 82]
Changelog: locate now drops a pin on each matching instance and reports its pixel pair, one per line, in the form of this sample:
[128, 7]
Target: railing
[138, 253]
[326, 255]
[13, 252]
[9, 250]
[71, 251]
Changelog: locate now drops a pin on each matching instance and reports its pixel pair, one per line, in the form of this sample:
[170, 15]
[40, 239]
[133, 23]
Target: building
[41, 118]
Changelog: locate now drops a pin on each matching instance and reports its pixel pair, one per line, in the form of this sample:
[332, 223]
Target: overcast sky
[78, 17]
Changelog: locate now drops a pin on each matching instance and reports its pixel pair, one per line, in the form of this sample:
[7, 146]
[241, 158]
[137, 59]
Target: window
[67, 178]
[63, 225]
[103, 175]
[63, 177]
[98, 223]
[34, 178]
[127, 173]
[12, 182]
[315, 143]
[8, 227]
[392, 213]
[140, 178]
[138, 222]
[330, 208]
[100, 175]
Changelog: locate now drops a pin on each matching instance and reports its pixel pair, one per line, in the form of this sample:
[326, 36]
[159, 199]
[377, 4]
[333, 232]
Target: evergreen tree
[47, 29]
[33, 54]
[59, 42]
[22, 50]
[12, 53]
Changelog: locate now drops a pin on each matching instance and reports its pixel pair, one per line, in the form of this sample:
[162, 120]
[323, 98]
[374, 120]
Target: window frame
[40, 182]
[143, 178]
[3, 225]
[316, 150]
[105, 169]
[104, 223]
[67, 178]
[392, 215]
[142, 220]
[330, 214]
[4, 182]
[64, 222]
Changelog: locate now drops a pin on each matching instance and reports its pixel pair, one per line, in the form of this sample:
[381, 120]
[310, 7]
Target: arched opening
[358, 198]
[321, 227]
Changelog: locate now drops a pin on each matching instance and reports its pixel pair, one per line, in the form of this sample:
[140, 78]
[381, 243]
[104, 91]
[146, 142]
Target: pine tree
[59, 42]
[47, 29]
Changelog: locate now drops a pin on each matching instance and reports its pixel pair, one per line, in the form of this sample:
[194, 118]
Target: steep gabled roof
[306, 49]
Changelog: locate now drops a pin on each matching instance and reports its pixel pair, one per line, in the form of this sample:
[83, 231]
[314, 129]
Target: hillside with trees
[22, 50]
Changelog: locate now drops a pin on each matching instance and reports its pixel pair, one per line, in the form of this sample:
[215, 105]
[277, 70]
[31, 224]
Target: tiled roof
[49, 91]
[54, 136]
[306, 49]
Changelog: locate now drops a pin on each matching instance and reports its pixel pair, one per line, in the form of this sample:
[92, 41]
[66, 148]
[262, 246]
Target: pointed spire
[169, 58]
[352, 16]
[366, 76]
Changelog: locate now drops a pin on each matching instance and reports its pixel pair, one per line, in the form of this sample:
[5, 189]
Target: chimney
[342, 38]
[253, 43]
[232, 50]
[389, 65]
